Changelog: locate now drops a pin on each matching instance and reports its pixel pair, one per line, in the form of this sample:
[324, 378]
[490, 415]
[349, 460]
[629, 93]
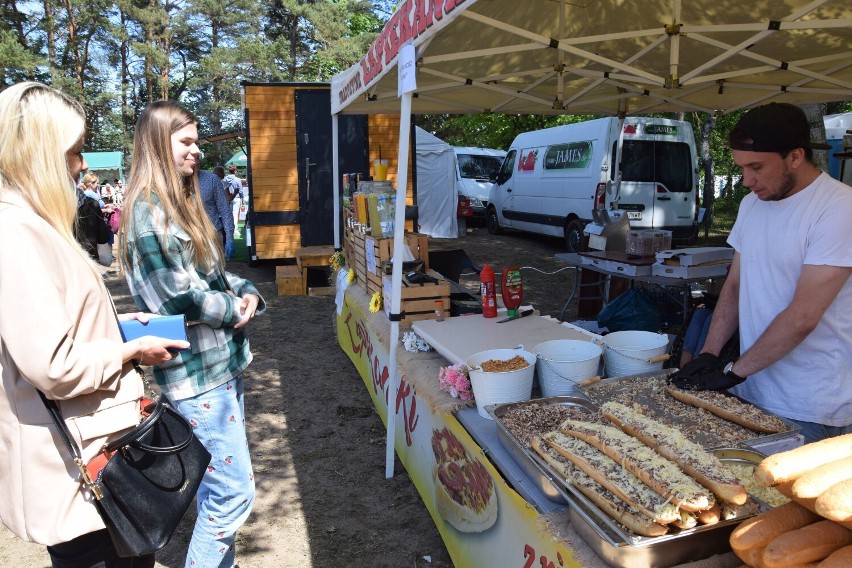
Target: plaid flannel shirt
[167, 282]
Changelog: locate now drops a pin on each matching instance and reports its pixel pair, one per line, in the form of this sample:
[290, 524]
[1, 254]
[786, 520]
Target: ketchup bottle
[488, 292]
[512, 290]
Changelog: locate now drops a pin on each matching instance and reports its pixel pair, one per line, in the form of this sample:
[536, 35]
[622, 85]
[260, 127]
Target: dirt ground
[318, 445]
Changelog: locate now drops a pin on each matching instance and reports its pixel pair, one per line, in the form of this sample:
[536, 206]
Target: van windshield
[478, 167]
[667, 163]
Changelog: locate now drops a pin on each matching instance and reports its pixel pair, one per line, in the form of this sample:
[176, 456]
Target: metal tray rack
[617, 546]
[522, 455]
[621, 548]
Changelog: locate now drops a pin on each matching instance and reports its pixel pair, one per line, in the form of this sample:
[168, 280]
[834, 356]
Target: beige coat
[58, 332]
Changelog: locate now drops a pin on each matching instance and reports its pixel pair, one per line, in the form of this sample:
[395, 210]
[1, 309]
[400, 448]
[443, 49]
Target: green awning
[238, 159]
[108, 165]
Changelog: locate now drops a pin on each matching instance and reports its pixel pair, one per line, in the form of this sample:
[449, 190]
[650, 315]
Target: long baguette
[613, 477]
[657, 472]
[841, 558]
[610, 504]
[809, 486]
[836, 502]
[737, 412]
[711, 516]
[759, 531]
[670, 443]
[810, 543]
[790, 465]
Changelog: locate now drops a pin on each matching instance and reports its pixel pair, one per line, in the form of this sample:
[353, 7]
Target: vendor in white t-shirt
[789, 288]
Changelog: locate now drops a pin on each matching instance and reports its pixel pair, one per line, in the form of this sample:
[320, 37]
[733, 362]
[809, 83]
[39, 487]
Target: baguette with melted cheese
[658, 473]
[605, 471]
[670, 443]
[611, 505]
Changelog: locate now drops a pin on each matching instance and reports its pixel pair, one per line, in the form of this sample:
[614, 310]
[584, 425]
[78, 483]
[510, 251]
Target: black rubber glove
[708, 380]
[704, 363]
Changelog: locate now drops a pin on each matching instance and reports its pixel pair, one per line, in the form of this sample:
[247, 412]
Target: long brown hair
[153, 172]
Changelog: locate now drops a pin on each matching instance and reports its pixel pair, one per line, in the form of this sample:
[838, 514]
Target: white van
[552, 179]
[475, 168]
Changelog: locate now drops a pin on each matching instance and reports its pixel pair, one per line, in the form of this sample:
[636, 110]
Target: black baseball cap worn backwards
[776, 127]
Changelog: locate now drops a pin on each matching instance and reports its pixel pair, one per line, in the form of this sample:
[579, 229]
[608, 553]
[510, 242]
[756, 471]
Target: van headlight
[476, 202]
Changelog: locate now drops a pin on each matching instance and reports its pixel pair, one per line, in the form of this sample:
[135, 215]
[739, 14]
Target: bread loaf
[810, 543]
[836, 502]
[711, 516]
[809, 486]
[841, 558]
[789, 465]
[759, 531]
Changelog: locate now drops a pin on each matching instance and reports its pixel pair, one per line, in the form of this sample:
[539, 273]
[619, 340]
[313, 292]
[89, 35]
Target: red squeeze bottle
[512, 290]
[488, 292]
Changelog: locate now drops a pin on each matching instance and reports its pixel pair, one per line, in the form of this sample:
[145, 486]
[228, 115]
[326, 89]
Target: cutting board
[460, 337]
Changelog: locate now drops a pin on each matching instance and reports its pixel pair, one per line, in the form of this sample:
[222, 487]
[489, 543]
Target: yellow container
[373, 212]
[361, 208]
[380, 170]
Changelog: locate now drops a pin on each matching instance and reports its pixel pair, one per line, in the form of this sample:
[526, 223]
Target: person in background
[788, 288]
[104, 256]
[216, 206]
[59, 335]
[234, 187]
[118, 194]
[89, 228]
[92, 189]
[175, 265]
[107, 191]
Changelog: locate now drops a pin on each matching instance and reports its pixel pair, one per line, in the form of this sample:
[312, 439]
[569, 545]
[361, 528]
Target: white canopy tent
[609, 57]
[437, 195]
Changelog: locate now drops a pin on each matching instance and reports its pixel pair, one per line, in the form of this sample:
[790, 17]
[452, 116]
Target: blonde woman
[173, 261]
[58, 334]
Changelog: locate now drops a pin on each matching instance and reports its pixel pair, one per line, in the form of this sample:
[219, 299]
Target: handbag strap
[70, 445]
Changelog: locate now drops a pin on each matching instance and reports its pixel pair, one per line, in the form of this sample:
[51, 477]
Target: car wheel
[574, 235]
[494, 227]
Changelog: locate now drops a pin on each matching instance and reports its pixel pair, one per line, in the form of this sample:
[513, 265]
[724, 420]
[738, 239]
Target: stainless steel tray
[700, 426]
[524, 455]
[620, 548]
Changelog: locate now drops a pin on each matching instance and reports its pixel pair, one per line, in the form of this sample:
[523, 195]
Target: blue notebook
[170, 327]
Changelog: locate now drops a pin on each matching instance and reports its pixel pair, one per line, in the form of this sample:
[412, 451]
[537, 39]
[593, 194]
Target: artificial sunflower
[350, 276]
[376, 302]
[337, 260]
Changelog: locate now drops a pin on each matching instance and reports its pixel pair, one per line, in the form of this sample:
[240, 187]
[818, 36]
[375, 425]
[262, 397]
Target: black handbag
[144, 481]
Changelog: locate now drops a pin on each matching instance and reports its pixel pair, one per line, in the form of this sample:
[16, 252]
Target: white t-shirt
[775, 239]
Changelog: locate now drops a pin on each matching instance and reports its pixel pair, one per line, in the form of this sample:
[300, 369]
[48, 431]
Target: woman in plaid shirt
[174, 264]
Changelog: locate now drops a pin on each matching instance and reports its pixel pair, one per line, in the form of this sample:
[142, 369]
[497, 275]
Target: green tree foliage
[118, 57]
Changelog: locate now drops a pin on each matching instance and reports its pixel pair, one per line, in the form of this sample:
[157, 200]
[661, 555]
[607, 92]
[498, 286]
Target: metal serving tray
[620, 548]
[523, 455]
[689, 418]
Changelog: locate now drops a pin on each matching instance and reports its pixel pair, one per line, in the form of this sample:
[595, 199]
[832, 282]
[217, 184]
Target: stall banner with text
[515, 539]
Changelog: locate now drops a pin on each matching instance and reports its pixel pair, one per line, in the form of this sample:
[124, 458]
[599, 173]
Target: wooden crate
[366, 254]
[289, 280]
[418, 302]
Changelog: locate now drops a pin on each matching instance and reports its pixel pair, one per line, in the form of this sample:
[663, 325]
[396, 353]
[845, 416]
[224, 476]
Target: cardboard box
[628, 269]
[694, 256]
[712, 270]
[696, 262]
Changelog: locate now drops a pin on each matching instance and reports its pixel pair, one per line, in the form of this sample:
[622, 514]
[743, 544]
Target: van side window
[667, 163]
[508, 166]
[478, 167]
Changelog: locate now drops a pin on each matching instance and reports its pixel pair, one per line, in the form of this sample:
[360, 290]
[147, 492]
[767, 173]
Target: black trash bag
[633, 310]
